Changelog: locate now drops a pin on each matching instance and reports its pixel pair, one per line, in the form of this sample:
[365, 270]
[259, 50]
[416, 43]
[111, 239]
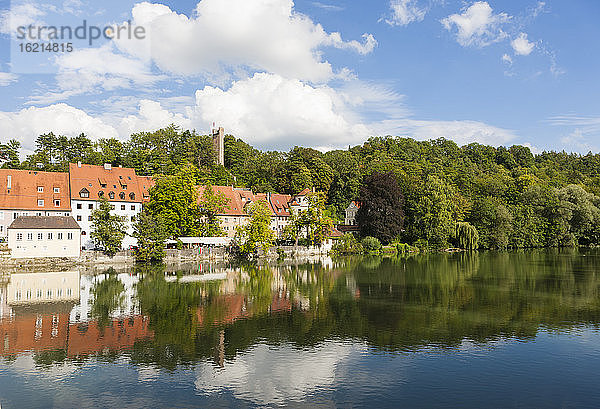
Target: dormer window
[100, 193]
[111, 195]
[56, 190]
[132, 196]
[40, 202]
[122, 196]
[103, 185]
[84, 193]
[40, 189]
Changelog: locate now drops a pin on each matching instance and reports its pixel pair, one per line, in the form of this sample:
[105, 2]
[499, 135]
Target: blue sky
[325, 74]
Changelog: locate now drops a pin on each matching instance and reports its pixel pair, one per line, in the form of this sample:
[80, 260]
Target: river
[514, 329]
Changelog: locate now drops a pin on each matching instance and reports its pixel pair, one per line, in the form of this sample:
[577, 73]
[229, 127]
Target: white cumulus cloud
[26, 125]
[477, 25]
[270, 110]
[229, 35]
[521, 45]
[405, 12]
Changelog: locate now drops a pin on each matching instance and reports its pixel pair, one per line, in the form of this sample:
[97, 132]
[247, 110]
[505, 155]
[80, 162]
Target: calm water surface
[465, 330]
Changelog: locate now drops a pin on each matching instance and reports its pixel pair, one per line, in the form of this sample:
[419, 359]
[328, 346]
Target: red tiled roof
[239, 197]
[304, 192]
[121, 181]
[23, 193]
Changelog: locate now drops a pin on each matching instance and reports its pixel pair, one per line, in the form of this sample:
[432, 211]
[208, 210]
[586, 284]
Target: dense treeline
[512, 197]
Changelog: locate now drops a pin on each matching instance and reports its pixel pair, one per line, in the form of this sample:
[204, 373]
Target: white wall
[86, 225]
[44, 247]
[7, 216]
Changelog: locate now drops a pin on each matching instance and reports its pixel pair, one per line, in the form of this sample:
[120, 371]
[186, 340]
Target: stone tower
[218, 139]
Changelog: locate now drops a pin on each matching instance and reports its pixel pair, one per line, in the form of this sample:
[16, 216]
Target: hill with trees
[513, 198]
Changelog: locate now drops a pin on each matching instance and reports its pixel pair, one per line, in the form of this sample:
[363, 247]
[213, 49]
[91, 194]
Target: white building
[44, 236]
[32, 193]
[351, 211]
[121, 186]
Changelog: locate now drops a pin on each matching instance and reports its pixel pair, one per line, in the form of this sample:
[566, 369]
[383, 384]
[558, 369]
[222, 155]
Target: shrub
[371, 244]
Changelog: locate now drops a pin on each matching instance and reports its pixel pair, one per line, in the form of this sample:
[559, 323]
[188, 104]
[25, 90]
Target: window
[40, 202]
[132, 207]
[112, 207]
[15, 215]
[89, 218]
[90, 206]
[56, 203]
[19, 236]
[78, 217]
[40, 236]
[132, 196]
[122, 196]
[84, 193]
[49, 236]
[29, 236]
[56, 190]
[101, 193]
[78, 206]
[122, 207]
[132, 218]
[40, 189]
[69, 238]
[70, 235]
[59, 236]
[111, 195]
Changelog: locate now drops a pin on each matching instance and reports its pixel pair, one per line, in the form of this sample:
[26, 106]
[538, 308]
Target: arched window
[111, 195]
[100, 193]
[132, 196]
[84, 193]
[122, 196]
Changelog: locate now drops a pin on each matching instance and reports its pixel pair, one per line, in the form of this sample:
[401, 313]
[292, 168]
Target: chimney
[78, 164]
[107, 166]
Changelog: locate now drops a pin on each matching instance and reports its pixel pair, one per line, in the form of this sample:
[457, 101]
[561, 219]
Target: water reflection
[285, 331]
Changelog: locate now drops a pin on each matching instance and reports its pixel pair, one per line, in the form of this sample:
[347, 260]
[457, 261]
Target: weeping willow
[466, 235]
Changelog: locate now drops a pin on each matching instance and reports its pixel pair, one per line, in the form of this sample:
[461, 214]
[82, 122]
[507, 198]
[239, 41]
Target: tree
[108, 230]
[257, 233]
[313, 222]
[211, 205]
[151, 235]
[466, 236]
[174, 199]
[107, 296]
[9, 154]
[380, 214]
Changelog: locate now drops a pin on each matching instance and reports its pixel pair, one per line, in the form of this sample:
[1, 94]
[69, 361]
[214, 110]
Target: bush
[371, 244]
[347, 245]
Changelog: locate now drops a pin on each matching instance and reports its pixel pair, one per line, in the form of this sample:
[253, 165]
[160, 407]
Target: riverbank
[91, 258]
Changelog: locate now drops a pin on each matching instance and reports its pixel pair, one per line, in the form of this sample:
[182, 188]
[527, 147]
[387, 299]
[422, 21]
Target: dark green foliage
[380, 214]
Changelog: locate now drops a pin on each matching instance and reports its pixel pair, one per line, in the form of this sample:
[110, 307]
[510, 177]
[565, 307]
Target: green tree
[257, 233]
[174, 199]
[151, 236]
[108, 230]
[211, 205]
[466, 236]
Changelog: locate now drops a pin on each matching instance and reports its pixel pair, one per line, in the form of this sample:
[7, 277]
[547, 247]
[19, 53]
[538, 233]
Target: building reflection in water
[52, 312]
[83, 315]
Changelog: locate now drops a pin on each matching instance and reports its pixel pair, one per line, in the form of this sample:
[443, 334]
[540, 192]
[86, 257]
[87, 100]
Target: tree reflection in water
[391, 304]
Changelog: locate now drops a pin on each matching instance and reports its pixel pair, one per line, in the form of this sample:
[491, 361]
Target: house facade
[44, 236]
[235, 213]
[351, 211]
[32, 193]
[120, 186]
